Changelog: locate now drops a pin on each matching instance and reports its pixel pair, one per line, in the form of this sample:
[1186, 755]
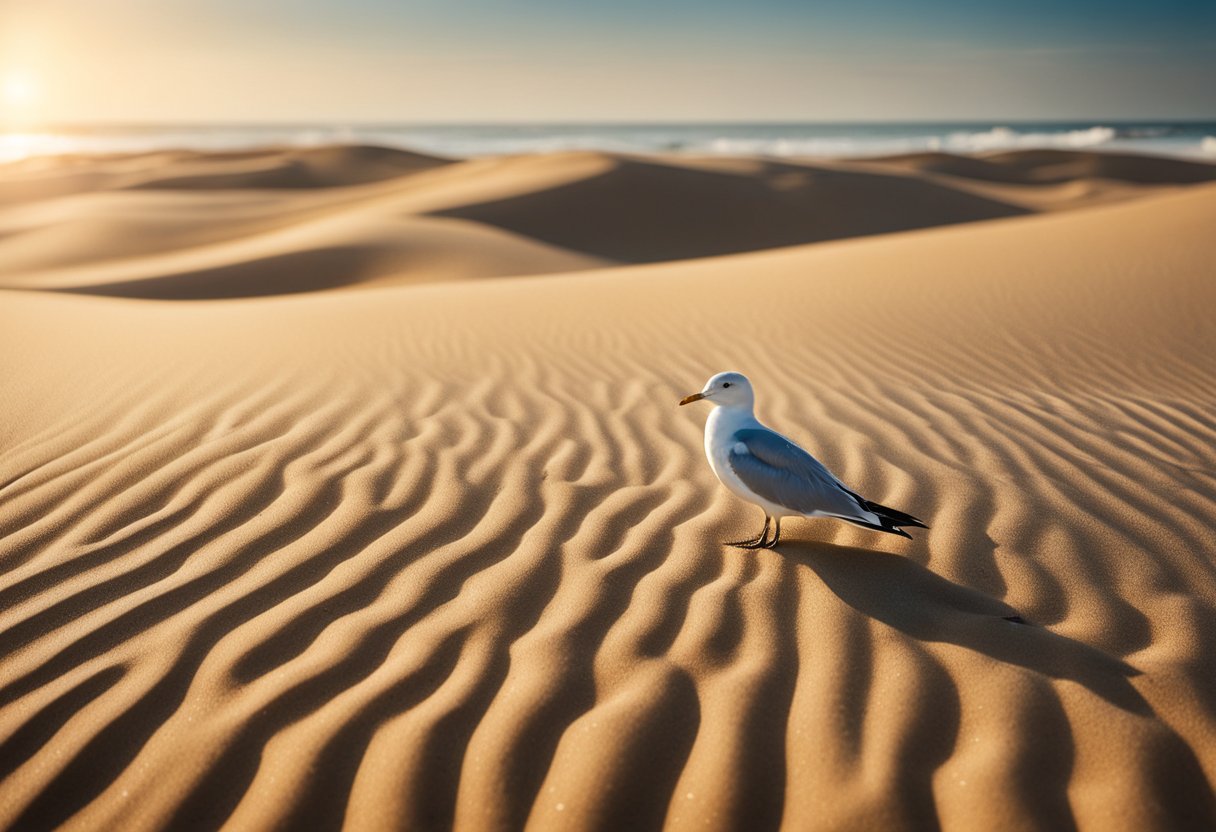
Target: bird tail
[889, 519]
[884, 525]
[892, 516]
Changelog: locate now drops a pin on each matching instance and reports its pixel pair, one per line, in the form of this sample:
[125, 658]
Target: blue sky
[544, 60]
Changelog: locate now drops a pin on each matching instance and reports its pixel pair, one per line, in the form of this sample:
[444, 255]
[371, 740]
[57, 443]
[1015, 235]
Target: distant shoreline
[1184, 139]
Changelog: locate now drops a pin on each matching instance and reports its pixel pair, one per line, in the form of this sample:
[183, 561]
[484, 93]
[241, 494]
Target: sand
[339, 488]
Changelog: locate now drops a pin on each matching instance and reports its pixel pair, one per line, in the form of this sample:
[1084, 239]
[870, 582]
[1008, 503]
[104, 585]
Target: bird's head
[725, 390]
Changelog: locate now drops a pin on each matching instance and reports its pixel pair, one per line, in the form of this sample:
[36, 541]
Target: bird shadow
[920, 603]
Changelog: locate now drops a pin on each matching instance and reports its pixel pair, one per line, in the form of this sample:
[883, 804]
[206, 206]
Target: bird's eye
[726, 384]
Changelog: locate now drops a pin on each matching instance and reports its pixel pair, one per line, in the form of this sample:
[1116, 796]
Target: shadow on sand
[905, 595]
[923, 605]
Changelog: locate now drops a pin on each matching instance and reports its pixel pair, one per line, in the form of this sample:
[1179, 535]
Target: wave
[1005, 138]
[775, 140]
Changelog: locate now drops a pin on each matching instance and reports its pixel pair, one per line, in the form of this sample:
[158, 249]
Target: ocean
[1188, 139]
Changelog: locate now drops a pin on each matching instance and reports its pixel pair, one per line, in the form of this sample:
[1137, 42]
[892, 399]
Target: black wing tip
[893, 516]
[889, 528]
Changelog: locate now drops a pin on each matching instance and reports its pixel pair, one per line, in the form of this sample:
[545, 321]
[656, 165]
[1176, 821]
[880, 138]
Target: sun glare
[19, 89]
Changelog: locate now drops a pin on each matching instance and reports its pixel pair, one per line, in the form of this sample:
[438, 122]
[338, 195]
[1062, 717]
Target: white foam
[1005, 138]
[723, 140]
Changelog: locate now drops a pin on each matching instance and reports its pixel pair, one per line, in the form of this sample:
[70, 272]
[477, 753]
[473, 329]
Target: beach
[346, 486]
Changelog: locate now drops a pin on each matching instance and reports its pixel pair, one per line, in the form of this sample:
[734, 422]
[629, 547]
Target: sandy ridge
[194, 226]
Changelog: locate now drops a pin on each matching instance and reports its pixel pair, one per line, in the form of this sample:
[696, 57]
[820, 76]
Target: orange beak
[695, 397]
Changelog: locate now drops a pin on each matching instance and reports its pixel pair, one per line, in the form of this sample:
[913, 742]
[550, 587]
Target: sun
[18, 89]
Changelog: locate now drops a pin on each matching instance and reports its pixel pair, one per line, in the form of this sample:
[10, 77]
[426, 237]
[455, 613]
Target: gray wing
[782, 473]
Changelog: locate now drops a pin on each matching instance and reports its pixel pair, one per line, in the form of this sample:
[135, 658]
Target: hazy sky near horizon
[549, 60]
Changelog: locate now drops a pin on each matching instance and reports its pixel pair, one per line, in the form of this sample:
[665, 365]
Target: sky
[435, 61]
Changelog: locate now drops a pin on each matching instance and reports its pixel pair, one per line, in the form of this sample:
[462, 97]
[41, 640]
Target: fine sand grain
[427, 550]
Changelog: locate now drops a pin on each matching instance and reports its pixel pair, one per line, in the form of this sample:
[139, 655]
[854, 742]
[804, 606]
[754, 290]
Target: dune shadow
[308, 270]
[648, 211]
[920, 603]
[1055, 166]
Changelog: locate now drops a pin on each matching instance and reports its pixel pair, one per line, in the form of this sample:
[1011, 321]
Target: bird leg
[758, 543]
[776, 534]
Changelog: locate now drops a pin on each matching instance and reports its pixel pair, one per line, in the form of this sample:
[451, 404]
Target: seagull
[763, 467]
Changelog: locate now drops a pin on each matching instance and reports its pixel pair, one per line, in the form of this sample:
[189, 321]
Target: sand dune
[190, 226]
[323, 255]
[1047, 180]
[1030, 167]
[321, 167]
[293, 168]
[644, 211]
[413, 556]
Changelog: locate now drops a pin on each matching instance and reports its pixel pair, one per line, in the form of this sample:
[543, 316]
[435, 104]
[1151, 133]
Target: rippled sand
[407, 555]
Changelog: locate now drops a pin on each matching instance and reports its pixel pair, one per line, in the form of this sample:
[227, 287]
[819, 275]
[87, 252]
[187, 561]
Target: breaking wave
[737, 139]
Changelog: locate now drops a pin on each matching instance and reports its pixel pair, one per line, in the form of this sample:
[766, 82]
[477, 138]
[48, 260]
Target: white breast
[719, 442]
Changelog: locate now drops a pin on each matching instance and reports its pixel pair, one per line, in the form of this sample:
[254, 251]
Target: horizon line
[609, 122]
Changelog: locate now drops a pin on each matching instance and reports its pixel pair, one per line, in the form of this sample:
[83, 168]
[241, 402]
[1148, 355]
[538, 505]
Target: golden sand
[424, 550]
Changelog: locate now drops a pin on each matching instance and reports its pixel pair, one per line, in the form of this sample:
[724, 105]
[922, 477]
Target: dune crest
[192, 226]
